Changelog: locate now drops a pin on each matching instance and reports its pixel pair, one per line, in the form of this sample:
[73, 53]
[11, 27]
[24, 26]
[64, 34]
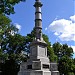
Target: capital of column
[38, 3]
[38, 0]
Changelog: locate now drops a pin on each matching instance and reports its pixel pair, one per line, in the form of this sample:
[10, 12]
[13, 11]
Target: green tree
[73, 66]
[61, 50]
[10, 67]
[50, 51]
[66, 65]
[66, 50]
[12, 45]
[5, 31]
[7, 6]
[65, 60]
[57, 48]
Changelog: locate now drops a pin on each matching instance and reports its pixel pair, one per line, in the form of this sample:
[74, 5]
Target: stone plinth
[35, 72]
[54, 69]
[38, 64]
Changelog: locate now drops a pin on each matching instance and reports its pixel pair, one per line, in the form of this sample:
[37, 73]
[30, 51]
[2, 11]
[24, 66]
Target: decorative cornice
[38, 4]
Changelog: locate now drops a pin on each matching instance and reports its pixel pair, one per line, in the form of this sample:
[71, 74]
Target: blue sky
[58, 19]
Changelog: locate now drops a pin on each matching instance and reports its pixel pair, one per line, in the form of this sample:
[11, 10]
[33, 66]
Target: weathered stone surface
[55, 73]
[54, 69]
[35, 72]
[54, 66]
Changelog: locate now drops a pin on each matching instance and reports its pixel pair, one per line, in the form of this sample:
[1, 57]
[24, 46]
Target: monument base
[54, 68]
[35, 72]
[55, 73]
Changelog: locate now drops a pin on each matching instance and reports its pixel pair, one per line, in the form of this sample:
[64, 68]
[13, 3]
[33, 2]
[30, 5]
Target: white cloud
[73, 48]
[18, 26]
[56, 18]
[72, 18]
[64, 29]
[46, 28]
[56, 33]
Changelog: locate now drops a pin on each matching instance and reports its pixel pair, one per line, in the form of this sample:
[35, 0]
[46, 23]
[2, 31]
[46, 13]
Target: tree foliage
[5, 31]
[67, 65]
[61, 50]
[65, 60]
[10, 67]
[12, 45]
[7, 6]
[50, 51]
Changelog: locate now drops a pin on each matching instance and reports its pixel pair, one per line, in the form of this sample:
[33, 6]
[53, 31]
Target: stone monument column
[38, 20]
[38, 63]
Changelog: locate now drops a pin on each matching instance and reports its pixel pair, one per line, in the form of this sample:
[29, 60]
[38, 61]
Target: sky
[58, 20]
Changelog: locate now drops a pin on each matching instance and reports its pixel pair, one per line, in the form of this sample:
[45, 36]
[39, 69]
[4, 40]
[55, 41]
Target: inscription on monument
[42, 51]
[45, 66]
[37, 65]
[33, 50]
[29, 66]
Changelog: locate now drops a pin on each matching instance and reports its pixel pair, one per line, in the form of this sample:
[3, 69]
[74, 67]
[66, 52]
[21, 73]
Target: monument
[38, 63]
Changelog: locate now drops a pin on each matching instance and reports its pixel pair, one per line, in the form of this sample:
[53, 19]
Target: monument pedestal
[38, 64]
